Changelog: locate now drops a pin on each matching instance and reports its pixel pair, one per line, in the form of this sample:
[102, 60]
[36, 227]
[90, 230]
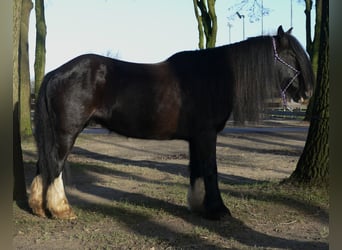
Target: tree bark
[312, 46]
[316, 41]
[199, 26]
[207, 22]
[312, 167]
[19, 189]
[307, 11]
[39, 63]
[24, 71]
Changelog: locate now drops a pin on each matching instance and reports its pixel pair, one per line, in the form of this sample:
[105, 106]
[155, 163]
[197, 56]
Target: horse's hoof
[39, 212]
[64, 215]
[218, 214]
[37, 207]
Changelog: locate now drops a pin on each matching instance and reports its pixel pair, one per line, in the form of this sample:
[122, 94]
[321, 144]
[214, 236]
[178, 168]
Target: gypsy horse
[189, 96]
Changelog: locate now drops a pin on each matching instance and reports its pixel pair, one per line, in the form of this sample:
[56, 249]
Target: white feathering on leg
[57, 202]
[36, 196]
[196, 195]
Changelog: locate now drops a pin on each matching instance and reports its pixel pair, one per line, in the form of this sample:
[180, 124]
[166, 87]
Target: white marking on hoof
[36, 196]
[196, 195]
[57, 202]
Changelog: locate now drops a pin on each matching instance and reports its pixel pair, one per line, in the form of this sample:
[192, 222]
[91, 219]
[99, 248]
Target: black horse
[189, 96]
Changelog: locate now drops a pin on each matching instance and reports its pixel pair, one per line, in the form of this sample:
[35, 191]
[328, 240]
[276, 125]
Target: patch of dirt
[122, 186]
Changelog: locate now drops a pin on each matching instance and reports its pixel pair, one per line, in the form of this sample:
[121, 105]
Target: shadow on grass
[178, 169]
[293, 151]
[142, 224]
[291, 200]
[171, 168]
[228, 228]
[288, 133]
[271, 136]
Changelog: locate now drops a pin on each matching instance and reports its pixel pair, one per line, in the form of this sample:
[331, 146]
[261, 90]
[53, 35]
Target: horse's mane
[255, 79]
[304, 64]
[251, 69]
[255, 74]
[249, 66]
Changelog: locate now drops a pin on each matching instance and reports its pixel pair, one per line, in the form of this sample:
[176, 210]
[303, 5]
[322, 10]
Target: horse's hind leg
[36, 200]
[56, 200]
[47, 188]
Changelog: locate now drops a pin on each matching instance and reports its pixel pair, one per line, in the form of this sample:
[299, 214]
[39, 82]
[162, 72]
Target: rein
[297, 72]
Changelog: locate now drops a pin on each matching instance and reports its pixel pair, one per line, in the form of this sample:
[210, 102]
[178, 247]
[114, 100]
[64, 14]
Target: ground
[131, 194]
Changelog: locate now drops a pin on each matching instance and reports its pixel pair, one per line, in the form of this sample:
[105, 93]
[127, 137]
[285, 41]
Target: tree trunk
[316, 41]
[312, 47]
[207, 22]
[312, 167]
[307, 11]
[24, 71]
[19, 190]
[39, 63]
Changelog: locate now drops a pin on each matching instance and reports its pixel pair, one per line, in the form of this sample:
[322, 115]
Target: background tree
[255, 10]
[312, 45]
[207, 22]
[19, 190]
[24, 70]
[312, 167]
[39, 63]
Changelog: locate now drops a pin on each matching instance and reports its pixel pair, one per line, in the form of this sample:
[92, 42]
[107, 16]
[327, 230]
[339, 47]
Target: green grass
[147, 210]
[162, 221]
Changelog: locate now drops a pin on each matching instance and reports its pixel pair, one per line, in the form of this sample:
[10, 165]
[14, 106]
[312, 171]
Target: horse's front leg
[204, 195]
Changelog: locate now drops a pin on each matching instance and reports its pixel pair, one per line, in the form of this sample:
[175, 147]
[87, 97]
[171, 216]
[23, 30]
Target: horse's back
[136, 100]
[160, 101]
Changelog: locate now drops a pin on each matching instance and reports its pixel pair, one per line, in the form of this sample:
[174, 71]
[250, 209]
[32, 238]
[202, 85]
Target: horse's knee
[56, 201]
[36, 200]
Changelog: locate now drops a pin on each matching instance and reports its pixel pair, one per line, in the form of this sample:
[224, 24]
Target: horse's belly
[142, 131]
[151, 113]
[142, 125]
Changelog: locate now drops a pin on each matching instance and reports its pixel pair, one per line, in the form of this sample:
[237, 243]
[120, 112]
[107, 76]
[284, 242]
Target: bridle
[297, 72]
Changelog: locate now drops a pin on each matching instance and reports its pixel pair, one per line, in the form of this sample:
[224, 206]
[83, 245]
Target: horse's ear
[280, 31]
[281, 34]
[289, 31]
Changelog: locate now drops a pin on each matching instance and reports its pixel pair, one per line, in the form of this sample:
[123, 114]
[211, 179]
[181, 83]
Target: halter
[297, 72]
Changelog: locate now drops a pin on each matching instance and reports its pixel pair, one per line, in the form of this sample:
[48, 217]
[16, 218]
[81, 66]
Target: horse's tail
[47, 165]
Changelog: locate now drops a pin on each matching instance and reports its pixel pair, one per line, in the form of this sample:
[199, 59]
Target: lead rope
[297, 72]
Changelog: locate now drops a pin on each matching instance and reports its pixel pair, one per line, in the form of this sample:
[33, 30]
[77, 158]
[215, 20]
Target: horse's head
[294, 68]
